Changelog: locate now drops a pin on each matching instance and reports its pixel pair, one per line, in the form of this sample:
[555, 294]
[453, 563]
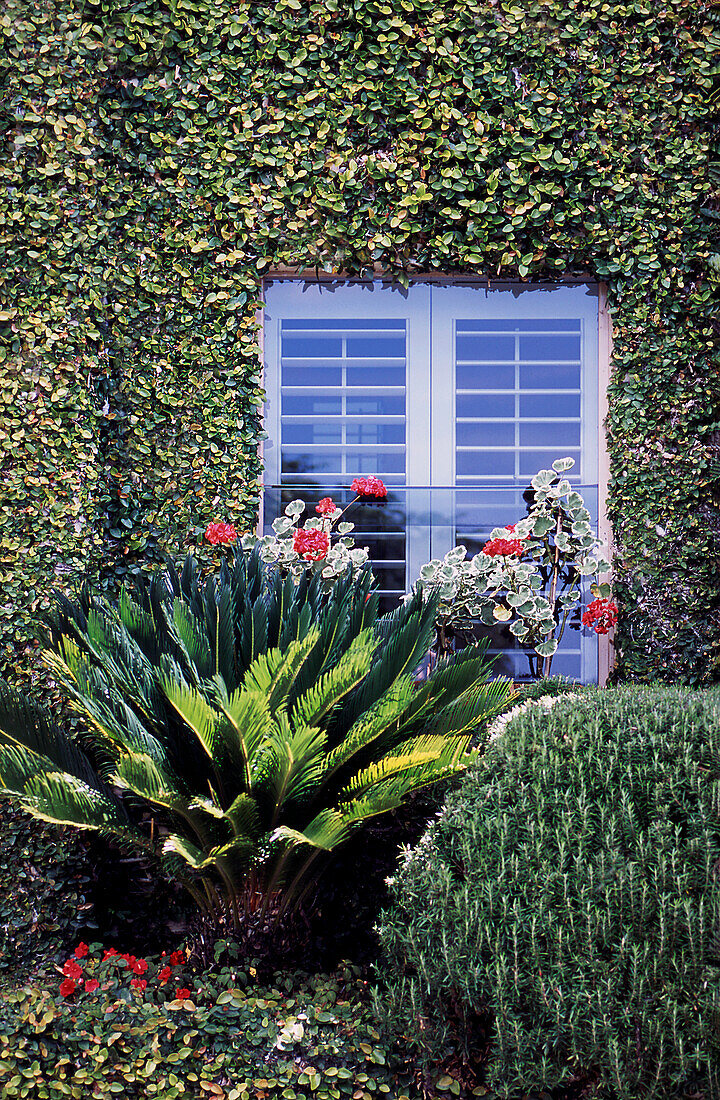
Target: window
[454, 395]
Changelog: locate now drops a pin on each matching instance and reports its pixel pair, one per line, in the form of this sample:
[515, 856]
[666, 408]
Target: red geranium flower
[177, 957]
[220, 533]
[91, 985]
[326, 506]
[81, 950]
[138, 966]
[111, 953]
[138, 983]
[164, 974]
[600, 615]
[311, 544]
[504, 547]
[68, 987]
[369, 487]
[182, 994]
[72, 969]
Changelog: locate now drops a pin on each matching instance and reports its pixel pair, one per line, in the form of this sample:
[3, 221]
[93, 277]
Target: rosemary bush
[555, 924]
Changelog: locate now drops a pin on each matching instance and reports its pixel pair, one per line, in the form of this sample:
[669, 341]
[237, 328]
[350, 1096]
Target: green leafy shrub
[257, 720]
[296, 1037]
[563, 903]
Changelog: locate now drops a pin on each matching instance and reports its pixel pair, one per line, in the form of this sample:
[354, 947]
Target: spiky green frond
[248, 724]
[316, 703]
[25, 725]
[221, 632]
[193, 640]
[290, 765]
[197, 714]
[474, 709]
[412, 759]
[284, 672]
[325, 831]
[244, 816]
[373, 728]
[55, 795]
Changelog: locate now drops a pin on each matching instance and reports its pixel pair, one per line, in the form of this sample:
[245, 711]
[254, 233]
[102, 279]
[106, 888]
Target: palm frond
[316, 703]
[26, 725]
[192, 638]
[289, 766]
[248, 724]
[58, 796]
[411, 758]
[195, 712]
[371, 730]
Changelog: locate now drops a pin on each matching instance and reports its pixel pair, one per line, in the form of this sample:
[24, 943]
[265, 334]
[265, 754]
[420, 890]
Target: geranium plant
[530, 574]
[297, 548]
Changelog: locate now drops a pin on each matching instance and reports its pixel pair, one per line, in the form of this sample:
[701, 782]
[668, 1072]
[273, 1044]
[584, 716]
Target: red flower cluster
[326, 507]
[73, 971]
[220, 533]
[504, 548]
[369, 487]
[600, 615]
[311, 544]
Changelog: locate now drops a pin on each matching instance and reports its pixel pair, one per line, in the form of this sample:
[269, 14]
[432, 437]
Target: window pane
[550, 347]
[485, 464]
[375, 374]
[392, 346]
[561, 405]
[532, 461]
[308, 405]
[490, 405]
[317, 377]
[374, 433]
[312, 433]
[493, 376]
[390, 405]
[549, 377]
[484, 347]
[485, 435]
[549, 435]
[317, 347]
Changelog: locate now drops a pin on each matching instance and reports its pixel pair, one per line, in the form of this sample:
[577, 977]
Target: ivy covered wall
[160, 157]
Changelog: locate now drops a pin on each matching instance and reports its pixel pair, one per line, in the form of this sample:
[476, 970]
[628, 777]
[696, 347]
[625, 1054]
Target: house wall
[161, 158]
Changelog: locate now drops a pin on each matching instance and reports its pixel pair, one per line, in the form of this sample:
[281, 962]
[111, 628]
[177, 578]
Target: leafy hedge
[161, 158]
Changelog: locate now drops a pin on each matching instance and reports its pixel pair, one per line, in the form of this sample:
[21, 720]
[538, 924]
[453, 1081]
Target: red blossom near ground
[138, 966]
[504, 548]
[601, 615]
[311, 544]
[138, 983]
[111, 953]
[164, 974]
[72, 969]
[326, 506]
[129, 960]
[369, 487]
[68, 987]
[220, 534]
[81, 950]
[177, 957]
[182, 994]
[91, 985]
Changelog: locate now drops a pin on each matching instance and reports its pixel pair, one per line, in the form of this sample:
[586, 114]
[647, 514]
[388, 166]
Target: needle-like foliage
[258, 720]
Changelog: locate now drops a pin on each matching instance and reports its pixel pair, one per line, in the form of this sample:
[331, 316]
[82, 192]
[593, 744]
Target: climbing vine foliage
[159, 159]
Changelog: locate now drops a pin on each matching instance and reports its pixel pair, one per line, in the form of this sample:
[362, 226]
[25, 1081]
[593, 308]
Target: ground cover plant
[129, 1028]
[256, 719]
[555, 925]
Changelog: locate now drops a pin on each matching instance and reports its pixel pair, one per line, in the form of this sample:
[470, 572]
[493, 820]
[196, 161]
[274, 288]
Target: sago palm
[259, 721]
